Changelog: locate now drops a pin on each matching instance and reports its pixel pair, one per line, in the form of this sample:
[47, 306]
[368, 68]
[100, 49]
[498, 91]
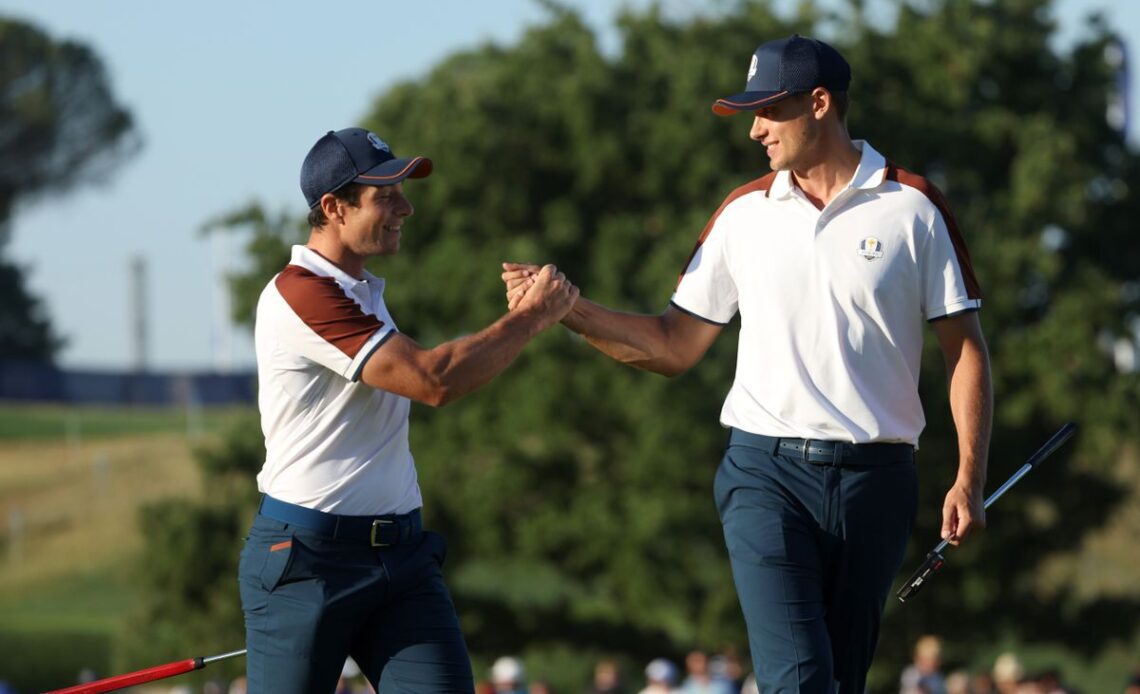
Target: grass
[92, 600]
[75, 424]
[69, 504]
[72, 480]
[70, 508]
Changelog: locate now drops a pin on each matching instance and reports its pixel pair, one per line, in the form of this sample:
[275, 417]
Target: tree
[187, 573]
[60, 126]
[25, 332]
[576, 493]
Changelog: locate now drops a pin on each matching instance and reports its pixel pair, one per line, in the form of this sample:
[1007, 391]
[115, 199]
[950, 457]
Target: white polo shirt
[332, 443]
[832, 302]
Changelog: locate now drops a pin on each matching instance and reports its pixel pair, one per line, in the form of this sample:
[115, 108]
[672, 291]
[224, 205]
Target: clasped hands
[544, 291]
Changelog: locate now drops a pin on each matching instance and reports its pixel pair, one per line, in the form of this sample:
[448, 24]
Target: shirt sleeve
[706, 288]
[326, 326]
[948, 284]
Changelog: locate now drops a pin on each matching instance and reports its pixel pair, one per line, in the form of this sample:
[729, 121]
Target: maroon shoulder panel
[760, 184]
[324, 307]
[906, 178]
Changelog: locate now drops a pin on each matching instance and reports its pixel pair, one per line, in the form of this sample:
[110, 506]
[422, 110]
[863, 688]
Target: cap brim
[747, 101]
[395, 170]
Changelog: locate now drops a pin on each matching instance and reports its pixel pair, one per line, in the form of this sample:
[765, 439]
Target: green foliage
[33, 661]
[48, 636]
[61, 124]
[59, 127]
[25, 331]
[268, 250]
[187, 574]
[575, 493]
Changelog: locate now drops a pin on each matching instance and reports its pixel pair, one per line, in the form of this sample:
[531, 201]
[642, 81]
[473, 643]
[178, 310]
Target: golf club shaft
[1051, 445]
[934, 559]
[158, 672]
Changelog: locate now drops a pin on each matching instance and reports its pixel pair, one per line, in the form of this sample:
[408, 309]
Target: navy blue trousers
[814, 549]
[311, 601]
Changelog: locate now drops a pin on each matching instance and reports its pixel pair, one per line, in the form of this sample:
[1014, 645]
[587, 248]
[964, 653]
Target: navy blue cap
[354, 155]
[779, 69]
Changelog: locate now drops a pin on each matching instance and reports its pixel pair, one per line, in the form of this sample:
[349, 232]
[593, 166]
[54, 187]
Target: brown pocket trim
[281, 545]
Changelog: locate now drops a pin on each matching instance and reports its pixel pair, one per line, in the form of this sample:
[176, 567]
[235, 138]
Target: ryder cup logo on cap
[354, 155]
[378, 143]
[783, 68]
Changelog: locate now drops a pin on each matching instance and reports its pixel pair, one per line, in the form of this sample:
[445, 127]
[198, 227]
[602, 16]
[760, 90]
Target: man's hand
[518, 277]
[963, 513]
[546, 293]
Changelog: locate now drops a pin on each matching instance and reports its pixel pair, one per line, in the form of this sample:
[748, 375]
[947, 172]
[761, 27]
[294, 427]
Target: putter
[158, 672]
[935, 560]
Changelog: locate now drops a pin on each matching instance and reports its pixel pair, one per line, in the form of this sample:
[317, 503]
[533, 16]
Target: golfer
[337, 562]
[834, 261]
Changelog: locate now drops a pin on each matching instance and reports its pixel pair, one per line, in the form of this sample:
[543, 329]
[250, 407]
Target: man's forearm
[637, 340]
[971, 403]
[467, 363]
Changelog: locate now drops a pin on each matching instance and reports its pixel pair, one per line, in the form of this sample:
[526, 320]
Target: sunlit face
[789, 130]
[374, 226]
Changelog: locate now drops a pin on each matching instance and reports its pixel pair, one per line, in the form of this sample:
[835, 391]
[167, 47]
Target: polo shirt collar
[311, 260]
[870, 173]
[872, 170]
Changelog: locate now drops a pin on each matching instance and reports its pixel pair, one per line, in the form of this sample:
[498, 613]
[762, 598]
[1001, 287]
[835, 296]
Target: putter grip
[110, 684]
[933, 563]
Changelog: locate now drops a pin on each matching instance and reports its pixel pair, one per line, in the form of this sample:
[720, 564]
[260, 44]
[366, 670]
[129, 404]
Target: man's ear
[821, 103]
[330, 205]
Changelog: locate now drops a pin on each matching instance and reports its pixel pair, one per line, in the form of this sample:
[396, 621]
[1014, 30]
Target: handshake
[544, 292]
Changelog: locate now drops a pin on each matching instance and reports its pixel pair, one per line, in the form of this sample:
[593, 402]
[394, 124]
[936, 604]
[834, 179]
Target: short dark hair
[349, 193]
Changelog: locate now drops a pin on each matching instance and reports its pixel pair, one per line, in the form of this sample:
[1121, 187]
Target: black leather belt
[377, 531]
[821, 452]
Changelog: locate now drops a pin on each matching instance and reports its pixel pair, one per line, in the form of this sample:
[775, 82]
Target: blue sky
[229, 97]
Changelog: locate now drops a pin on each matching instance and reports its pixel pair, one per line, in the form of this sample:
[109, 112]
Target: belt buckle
[376, 524]
[806, 449]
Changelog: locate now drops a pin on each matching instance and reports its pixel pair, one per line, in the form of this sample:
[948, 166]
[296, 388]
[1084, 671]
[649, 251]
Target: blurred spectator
[239, 685]
[924, 674]
[508, 676]
[1029, 685]
[1008, 672]
[958, 682]
[983, 684]
[538, 687]
[1050, 682]
[660, 676]
[727, 666]
[700, 679]
[607, 678]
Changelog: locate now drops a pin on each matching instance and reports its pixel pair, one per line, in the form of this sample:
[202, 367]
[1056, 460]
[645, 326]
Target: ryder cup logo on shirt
[378, 143]
[871, 248]
[752, 68]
